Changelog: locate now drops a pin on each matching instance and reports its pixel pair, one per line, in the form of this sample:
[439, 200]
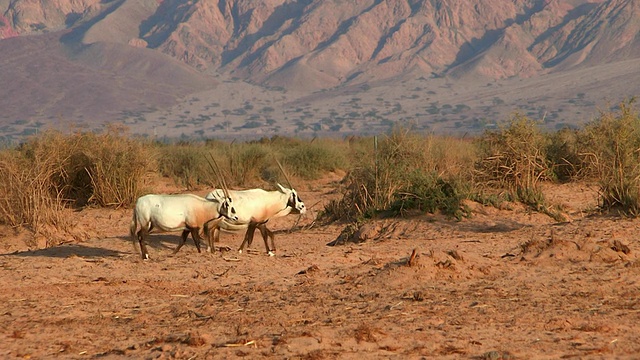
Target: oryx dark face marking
[228, 210]
[296, 203]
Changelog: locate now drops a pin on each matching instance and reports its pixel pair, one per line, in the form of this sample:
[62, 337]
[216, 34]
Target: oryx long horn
[218, 173]
[284, 173]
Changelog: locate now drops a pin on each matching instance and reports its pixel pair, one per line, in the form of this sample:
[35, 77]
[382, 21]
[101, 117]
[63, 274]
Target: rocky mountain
[309, 50]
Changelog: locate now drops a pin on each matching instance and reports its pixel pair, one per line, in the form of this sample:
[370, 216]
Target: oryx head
[227, 209]
[294, 200]
[222, 196]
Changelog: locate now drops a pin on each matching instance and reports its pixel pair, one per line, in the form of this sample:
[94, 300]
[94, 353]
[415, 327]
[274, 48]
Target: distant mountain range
[311, 67]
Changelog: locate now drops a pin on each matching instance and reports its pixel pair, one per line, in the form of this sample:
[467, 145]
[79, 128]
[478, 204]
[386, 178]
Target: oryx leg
[212, 237]
[143, 233]
[248, 237]
[195, 234]
[266, 234]
[183, 240]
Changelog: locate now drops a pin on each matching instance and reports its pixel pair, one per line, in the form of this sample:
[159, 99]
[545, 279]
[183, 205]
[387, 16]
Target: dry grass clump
[185, 163]
[309, 160]
[514, 157]
[115, 166]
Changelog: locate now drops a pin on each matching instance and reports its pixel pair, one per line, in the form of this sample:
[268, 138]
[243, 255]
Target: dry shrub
[406, 172]
[563, 153]
[515, 158]
[610, 148]
[185, 163]
[246, 163]
[42, 176]
[116, 165]
[29, 192]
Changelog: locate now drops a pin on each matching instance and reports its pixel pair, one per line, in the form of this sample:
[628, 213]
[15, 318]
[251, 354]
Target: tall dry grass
[115, 166]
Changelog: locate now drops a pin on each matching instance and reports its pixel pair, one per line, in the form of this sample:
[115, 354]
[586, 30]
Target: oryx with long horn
[158, 213]
[254, 208]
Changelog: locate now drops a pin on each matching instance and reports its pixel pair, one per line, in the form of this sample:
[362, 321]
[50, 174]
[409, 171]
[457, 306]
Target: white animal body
[169, 213]
[254, 208]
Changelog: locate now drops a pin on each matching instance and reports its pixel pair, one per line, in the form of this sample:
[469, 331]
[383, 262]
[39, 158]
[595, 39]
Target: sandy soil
[504, 284]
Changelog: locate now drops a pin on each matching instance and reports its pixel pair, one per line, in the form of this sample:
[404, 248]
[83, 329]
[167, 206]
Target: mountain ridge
[294, 49]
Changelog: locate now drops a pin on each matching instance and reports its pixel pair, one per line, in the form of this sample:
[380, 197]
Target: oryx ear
[282, 189]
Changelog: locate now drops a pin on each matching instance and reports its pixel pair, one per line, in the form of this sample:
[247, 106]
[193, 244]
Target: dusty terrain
[505, 283]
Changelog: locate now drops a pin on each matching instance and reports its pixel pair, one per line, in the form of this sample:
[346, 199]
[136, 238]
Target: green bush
[428, 192]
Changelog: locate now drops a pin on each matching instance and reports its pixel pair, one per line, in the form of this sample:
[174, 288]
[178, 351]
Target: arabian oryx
[254, 208]
[169, 213]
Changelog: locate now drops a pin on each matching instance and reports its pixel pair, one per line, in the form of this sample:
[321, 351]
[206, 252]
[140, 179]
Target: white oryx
[169, 213]
[254, 208]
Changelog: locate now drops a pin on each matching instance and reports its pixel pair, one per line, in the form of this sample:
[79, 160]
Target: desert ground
[505, 283]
